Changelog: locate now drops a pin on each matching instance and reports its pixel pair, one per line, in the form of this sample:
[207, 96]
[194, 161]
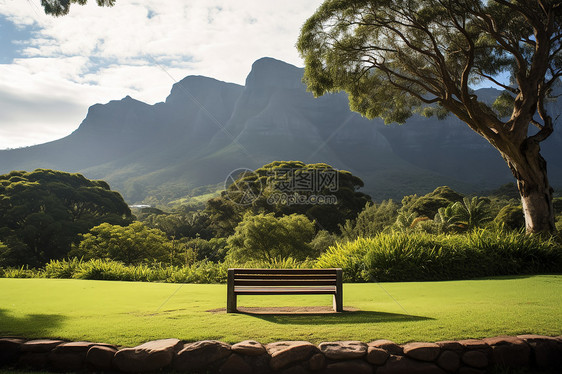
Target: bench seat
[284, 282]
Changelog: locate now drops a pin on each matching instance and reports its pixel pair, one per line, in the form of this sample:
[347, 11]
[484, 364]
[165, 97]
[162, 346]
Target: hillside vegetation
[442, 235]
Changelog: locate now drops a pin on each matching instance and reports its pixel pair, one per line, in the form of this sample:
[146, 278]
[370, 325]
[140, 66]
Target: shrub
[349, 256]
[61, 268]
[406, 256]
[22, 272]
[510, 216]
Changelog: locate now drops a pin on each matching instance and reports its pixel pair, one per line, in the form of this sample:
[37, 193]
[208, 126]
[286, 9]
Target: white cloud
[99, 54]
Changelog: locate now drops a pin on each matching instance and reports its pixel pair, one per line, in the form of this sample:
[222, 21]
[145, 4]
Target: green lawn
[127, 313]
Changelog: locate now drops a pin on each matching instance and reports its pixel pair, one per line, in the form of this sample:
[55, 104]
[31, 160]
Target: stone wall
[289, 357]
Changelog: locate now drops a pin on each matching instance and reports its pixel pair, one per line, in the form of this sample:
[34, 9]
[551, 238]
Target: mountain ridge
[206, 128]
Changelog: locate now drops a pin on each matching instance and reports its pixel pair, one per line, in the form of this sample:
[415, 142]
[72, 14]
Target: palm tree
[472, 212]
[405, 220]
[446, 219]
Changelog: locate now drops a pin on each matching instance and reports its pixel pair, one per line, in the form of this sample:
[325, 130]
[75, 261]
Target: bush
[394, 256]
[61, 268]
[510, 216]
[403, 256]
[349, 256]
[22, 272]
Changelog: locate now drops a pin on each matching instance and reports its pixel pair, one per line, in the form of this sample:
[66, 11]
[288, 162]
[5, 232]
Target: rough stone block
[474, 344]
[546, 351]
[449, 361]
[387, 345]
[509, 351]
[343, 350]
[249, 348]
[377, 356]
[69, 356]
[146, 357]
[101, 357]
[422, 351]
[286, 353]
[259, 364]
[317, 362]
[476, 359]
[403, 365]
[9, 350]
[349, 366]
[40, 345]
[450, 345]
[202, 354]
[235, 364]
[33, 360]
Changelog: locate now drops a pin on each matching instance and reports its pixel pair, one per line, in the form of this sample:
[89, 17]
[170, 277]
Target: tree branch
[505, 87]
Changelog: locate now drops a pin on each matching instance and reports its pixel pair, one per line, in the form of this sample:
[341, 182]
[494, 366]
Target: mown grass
[129, 313]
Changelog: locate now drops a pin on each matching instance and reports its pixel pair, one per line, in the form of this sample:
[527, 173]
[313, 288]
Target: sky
[53, 69]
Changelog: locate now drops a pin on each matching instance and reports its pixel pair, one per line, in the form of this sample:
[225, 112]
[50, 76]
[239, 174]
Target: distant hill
[207, 128]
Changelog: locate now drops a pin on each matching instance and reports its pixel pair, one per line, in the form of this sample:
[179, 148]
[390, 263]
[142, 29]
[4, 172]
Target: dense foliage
[408, 256]
[325, 195]
[395, 256]
[133, 244]
[42, 213]
[265, 237]
[439, 235]
[395, 58]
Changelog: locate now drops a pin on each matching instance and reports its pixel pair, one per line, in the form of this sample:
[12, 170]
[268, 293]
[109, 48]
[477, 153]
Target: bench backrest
[285, 277]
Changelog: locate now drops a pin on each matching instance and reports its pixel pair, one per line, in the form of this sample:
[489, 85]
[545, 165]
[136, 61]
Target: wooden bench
[284, 282]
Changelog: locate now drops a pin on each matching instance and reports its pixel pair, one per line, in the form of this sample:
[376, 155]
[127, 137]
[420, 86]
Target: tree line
[50, 215]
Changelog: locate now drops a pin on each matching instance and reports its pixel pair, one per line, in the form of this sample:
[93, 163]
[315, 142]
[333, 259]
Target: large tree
[398, 57]
[62, 7]
[43, 212]
[323, 194]
[133, 244]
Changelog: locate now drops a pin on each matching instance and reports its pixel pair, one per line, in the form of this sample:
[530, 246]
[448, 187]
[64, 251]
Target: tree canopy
[318, 191]
[133, 244]
[43, 212]
[265, 237]
[62, 7]
[398, 57]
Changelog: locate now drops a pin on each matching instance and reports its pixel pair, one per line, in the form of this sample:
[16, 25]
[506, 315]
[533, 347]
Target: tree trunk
[537, 208]
[536, 192]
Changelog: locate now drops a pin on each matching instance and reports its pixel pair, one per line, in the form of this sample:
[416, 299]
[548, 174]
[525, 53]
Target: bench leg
[338, 303]
[338, 296]
[231, 306]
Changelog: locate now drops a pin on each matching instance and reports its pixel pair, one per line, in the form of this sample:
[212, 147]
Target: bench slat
[285, 276]
[284, 282]
[241, 290]
[284, 271]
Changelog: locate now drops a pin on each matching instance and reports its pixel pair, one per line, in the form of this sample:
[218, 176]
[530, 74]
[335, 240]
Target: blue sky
[10, 35]
[53, 69]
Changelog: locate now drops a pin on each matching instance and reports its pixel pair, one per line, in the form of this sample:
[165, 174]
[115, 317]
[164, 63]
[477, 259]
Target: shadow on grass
[30, 326]
[330, 318]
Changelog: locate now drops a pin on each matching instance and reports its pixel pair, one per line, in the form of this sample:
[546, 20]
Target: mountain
[207, 128]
